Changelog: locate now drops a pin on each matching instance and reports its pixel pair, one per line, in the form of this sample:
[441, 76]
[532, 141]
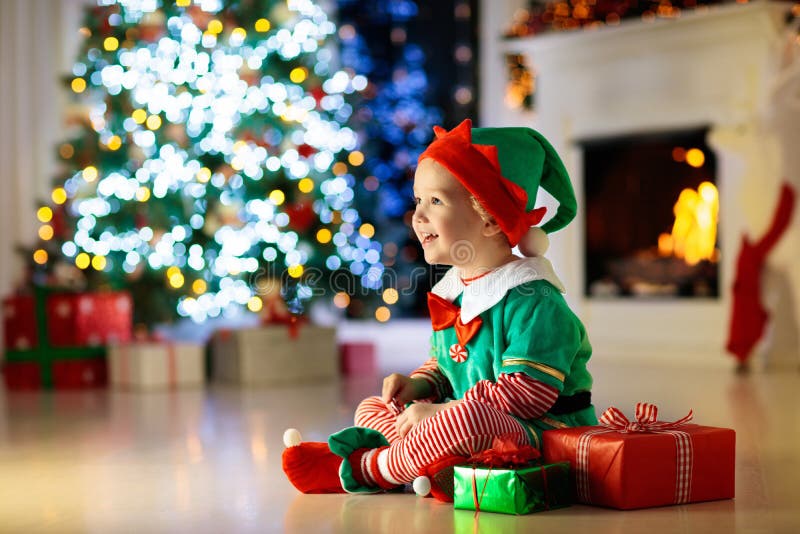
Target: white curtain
[38, 43]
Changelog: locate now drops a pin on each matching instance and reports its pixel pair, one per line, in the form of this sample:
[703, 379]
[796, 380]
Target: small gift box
[154, 365]
[275, 354]
[510, 479]
[357, 358]
[645, 463]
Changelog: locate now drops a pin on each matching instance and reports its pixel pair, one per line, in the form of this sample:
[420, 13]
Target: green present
[524, 490]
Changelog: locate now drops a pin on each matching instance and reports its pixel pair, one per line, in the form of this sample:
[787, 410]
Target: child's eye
[435, 201]
[416, 201]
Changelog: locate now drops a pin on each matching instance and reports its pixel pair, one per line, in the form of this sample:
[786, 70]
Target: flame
[694, 232]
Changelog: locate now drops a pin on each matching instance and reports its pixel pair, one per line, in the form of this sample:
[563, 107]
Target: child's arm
[402, 389]
[430, 372]
[516, 394]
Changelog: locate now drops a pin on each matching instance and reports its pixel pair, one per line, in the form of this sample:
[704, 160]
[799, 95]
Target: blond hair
[485, 215]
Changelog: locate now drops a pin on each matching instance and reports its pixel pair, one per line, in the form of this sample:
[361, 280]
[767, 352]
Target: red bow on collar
[445, 314]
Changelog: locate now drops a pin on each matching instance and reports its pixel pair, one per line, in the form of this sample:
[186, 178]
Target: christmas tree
[213, 157]
[398, 117]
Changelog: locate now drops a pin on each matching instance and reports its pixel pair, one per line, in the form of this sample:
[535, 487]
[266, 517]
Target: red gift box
[19, 322]
[89, 319]
[22, 375]
[80, 374]
[66, 374]
[357, 359]
[645, 463]
[68, 333]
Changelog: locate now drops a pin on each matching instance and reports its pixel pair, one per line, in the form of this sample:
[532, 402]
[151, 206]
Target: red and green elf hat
[504, 168]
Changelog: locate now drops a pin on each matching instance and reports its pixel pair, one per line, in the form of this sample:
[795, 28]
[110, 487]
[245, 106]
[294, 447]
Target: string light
[40, 256]
[390, 296]
[383, 314]
[99, 263]
[255, 304]
[367, 230]
[306, 185]
[82, 260]
[90, 173]
[44, 214]
[341, 300]
[78, 85]
[324, 235]
[46, 232]
[262, 25]
[66, 151]
[355, 158]
[59, 195]
[199, 286]
[110, 44]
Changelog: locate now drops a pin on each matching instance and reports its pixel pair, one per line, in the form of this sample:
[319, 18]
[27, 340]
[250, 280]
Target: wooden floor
[209, 461]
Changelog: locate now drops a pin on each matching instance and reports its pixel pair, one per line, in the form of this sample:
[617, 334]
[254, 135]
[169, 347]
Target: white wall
[38, 43]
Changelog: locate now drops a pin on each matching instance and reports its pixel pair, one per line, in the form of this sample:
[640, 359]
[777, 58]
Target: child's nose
[420, 213]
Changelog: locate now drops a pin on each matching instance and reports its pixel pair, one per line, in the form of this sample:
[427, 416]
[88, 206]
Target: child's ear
[491, 228]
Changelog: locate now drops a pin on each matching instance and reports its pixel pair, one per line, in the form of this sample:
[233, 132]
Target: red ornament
[318, 94]
[306, 150]
[301, 216]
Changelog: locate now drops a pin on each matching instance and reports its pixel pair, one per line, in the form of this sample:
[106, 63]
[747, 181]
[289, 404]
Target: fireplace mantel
[713, 68]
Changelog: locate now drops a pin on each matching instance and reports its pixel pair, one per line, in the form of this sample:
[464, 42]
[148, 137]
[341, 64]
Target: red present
[645, 463]
[89, 319]
[357, 359]
[70, 331]
[19, 322]
[80, 373]
[22, 375]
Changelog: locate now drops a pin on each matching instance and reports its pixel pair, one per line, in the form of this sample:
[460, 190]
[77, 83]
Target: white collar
[490, 289]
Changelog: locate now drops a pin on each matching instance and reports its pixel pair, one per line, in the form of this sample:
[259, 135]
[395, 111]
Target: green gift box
[512, 491]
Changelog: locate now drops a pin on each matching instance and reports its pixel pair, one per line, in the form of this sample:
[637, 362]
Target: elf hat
[504, 168]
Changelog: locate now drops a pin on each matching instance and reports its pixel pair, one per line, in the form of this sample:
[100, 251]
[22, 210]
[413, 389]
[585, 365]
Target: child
[508, 356]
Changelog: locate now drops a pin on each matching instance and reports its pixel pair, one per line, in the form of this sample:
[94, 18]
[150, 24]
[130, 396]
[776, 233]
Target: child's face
[445, 222]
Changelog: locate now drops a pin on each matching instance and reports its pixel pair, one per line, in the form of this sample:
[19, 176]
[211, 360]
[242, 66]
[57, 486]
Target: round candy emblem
[458, 353]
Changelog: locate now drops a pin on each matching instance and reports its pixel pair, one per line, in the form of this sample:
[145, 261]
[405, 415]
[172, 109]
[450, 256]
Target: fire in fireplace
[651, 216]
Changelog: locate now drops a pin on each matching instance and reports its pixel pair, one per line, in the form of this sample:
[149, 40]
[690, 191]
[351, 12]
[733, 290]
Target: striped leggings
[461, 430]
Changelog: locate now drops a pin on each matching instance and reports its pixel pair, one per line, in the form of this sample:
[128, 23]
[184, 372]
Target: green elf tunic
[528, 328]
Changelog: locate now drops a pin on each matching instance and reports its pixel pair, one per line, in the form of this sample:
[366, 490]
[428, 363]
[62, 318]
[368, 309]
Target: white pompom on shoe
[422, 486]
[292, 437]
[534, 243]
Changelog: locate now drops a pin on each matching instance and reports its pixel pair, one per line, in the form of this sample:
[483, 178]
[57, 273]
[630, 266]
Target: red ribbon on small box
[292, 322]
[646, 420]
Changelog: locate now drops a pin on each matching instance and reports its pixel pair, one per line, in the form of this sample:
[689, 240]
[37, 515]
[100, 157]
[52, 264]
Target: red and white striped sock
[366, 468]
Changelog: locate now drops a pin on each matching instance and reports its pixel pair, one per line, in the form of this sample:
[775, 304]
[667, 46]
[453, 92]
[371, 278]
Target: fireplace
[651, 208]
[614, 100]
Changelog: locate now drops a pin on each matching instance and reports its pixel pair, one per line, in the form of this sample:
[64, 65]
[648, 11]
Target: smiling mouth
[426, 238]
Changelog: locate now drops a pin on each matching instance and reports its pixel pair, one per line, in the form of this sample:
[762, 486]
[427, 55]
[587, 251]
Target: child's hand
[403, 389]
[416, 413]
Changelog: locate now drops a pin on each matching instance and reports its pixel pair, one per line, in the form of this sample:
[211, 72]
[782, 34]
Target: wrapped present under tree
[275, 353]
[56, 340]
[646, 462]
[156, 365]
